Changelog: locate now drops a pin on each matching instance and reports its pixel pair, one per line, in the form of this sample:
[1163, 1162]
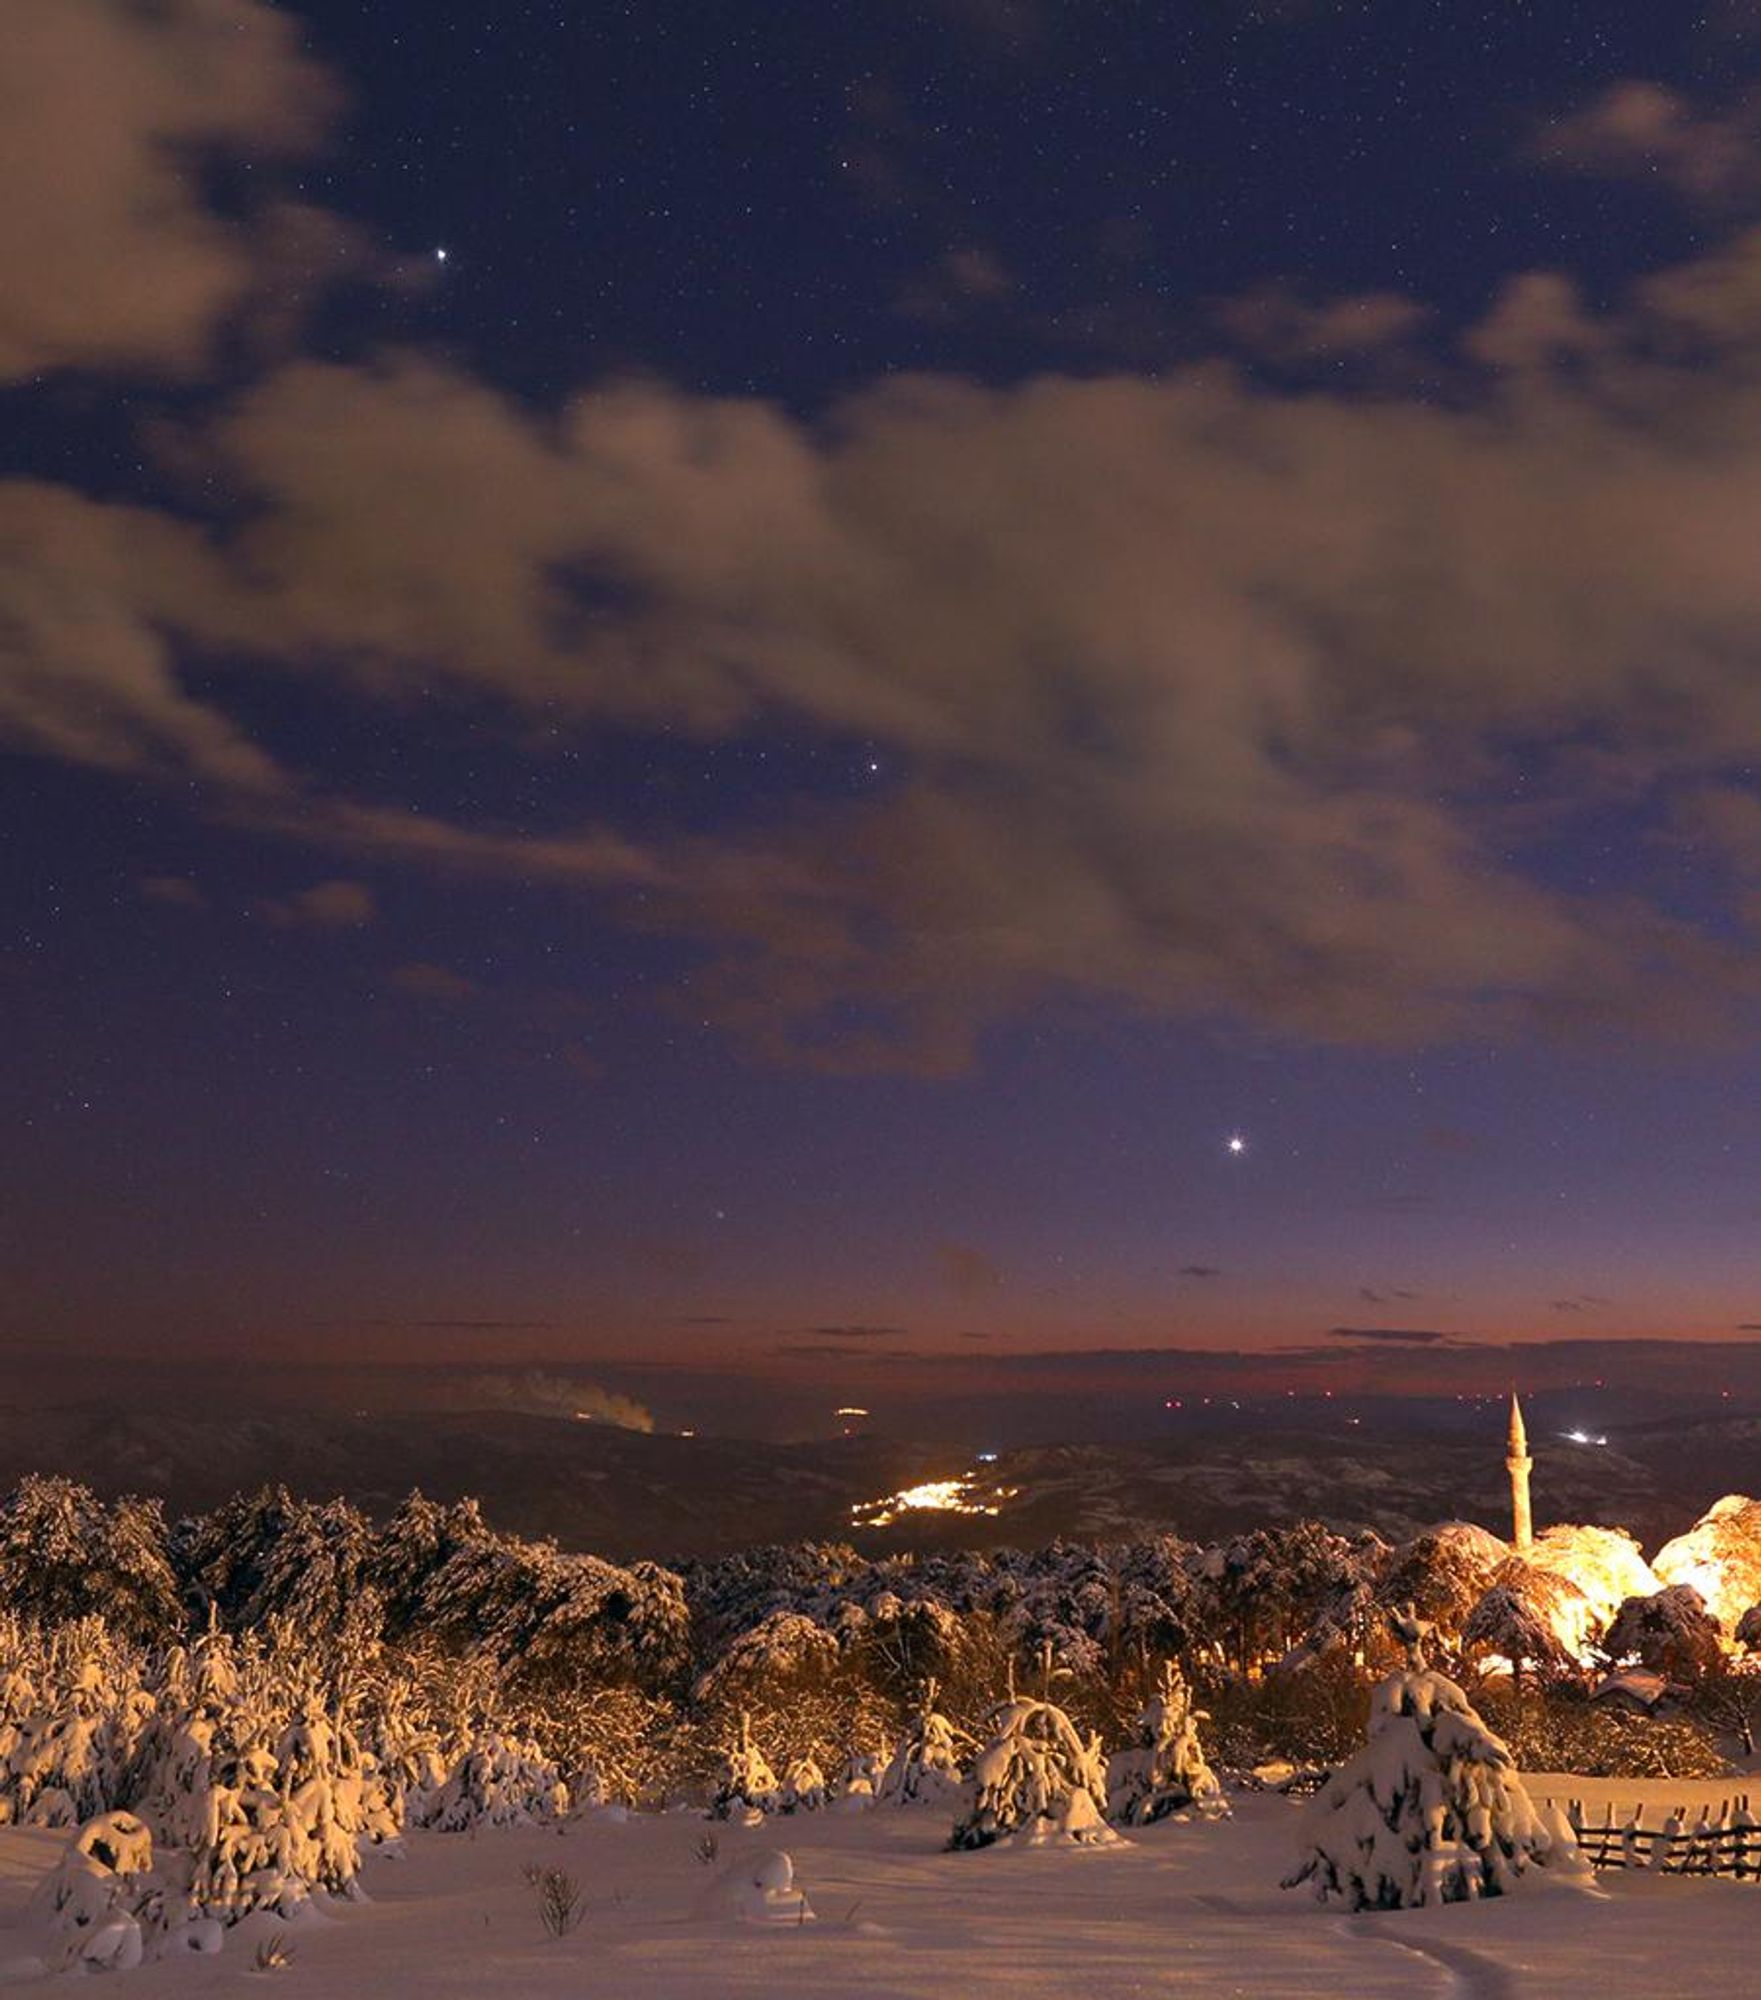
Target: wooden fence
[1691, 1841]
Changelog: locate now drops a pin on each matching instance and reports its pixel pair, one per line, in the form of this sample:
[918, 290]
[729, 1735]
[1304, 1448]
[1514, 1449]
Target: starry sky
[703, 696]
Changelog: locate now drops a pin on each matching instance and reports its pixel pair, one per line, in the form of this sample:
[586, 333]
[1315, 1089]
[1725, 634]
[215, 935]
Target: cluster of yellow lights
[961, 1495]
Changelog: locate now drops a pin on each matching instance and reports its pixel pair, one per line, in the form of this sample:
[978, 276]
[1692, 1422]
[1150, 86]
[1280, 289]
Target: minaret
[1517, 1463]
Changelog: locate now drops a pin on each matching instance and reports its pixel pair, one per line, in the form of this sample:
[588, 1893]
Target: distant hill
[627, 1493]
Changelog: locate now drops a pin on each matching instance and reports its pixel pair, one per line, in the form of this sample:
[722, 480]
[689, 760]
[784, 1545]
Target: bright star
[440, 254]
[1236, 1143]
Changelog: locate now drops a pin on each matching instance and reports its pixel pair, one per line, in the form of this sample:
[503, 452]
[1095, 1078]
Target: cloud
[533, 1392]
[176, 890]
[88, 674]
[1641, 130]
[434, 982]
[1278, 325]
[1216, 737]
[1200, 1271]
[965, 1270]
[326, 906]
[1420, 1336]
[110, 114]
[582, 1063]
[859, 1332]
[828, 1350]
[1198, 698]
[963, 279]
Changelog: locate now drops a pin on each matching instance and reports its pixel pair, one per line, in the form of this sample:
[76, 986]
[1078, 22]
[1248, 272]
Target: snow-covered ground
[1184, 1908]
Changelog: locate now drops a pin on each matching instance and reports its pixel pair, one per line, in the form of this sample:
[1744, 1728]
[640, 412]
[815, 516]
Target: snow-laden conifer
[1036, 1780]
[925, 1763]
[1162, 1770]
[1431, 1810]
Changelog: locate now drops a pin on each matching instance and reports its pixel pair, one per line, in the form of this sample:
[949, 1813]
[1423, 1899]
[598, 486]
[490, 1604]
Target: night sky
[702, 693]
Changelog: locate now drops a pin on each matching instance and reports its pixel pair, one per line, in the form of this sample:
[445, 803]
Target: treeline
[636, 1677]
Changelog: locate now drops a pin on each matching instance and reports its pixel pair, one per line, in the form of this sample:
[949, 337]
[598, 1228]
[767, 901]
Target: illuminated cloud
[325, 906]
[110, 113]
[424, 981]
[1197, 699]
[1639, 129]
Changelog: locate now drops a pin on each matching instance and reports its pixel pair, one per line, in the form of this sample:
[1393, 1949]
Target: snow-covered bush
[1606, 1565]
[1162, 1770]
[1562, 1729]
[1442, 1574]
[96, 1892]
[1671, 1632]
[745, 1781]
[925, 1763]
[497, 1780]
[1720, 1556]
[1431, 1810]
[803, 1788]
[1036, 1779]
[1531, 1617]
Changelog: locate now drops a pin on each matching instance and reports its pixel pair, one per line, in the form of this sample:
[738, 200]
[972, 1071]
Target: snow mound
[761, 1889]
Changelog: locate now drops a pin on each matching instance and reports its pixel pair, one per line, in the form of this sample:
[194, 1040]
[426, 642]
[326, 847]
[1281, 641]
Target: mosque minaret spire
[1517, 1463]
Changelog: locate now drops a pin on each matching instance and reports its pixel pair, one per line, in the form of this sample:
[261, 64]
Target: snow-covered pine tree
[925, 1763]
[804, 1786]
[1431, 1810]
[745, 1781]
[1035, 1780]
[1162, 1770]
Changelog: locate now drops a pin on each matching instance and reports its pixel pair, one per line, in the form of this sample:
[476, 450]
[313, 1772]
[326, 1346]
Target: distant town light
[933, 1496]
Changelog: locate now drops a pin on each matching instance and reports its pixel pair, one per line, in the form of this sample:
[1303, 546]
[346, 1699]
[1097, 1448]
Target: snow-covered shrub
[1263, 1592]
[1441, 1575]
[1671, 1632]
[1036, 1779]
[1720, 1556]
[67, 1760]
[96, 1891]
[803, 1787]
[1605, 1564]
[1534, 1618]
[744, 1781]
[1311, 1712]
[1162, 1770]
[925, 1763]
[497, 1780]
[1431, 1810]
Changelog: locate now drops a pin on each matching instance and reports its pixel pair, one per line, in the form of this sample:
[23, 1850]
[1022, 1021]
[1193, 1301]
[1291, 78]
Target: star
[1235, 1143]
[440, 253]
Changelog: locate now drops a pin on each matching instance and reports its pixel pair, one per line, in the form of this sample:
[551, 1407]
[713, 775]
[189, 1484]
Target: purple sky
[924, 619]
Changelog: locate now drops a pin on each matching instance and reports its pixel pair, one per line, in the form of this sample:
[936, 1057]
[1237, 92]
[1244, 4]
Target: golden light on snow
[960, 1495]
